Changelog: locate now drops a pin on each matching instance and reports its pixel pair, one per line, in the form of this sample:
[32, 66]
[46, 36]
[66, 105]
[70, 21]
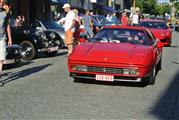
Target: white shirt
[135, 19]
[70, 16]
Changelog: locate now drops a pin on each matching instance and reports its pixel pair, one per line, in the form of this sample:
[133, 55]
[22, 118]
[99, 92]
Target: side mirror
[159, 44]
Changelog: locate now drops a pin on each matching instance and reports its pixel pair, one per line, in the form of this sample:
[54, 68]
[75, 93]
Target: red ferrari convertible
[117, 53]
[159, 29]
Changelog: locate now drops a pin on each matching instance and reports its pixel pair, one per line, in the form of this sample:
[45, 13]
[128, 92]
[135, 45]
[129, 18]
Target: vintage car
[159, 29]
[34, 40]
[13, 54]
[47, 25]
[118, 53]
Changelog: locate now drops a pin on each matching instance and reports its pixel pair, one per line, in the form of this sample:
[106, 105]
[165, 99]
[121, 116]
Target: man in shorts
[4, 27]
[69, 27]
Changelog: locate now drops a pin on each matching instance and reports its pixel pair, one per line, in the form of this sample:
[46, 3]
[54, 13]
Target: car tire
[159, 66]
[28, 49]
[151, 79]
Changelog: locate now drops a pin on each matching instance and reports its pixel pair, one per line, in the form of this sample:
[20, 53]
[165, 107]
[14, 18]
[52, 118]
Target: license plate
[53, 49]
[105, 78]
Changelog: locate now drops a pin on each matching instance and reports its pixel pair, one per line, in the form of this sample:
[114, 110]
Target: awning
[57, 2]
[109, 9]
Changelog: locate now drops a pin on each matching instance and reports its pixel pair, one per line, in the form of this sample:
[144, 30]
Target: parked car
[34, 40]
[159, 29]
[118, 53]
[13, 54]
[47, 25]
[113, 22]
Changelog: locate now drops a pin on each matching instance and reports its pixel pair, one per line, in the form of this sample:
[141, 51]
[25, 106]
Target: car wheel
[52, 54]
[159, 66]
[28, 50]
[152, 76]
[151, 79]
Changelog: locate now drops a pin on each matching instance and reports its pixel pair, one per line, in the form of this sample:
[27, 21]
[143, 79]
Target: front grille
[105, 70]
[163, 40]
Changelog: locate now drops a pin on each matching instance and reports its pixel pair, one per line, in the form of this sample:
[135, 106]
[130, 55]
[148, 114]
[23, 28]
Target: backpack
[77, 25]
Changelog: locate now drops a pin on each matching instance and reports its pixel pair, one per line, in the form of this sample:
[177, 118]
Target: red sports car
[160, 30]
[118, 53]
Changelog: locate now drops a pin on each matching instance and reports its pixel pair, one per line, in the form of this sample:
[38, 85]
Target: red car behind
[159, 29]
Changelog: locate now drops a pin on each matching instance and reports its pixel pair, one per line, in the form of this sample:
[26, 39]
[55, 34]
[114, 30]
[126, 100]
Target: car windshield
[156, 25]
[98, 20]
[112, 22]
[51, 25]
[121, 35]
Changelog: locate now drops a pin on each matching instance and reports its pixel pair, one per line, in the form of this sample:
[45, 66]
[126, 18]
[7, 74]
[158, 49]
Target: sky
[161, 1]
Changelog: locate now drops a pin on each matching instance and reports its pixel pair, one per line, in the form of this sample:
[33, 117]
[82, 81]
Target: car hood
[111, 52]
[60, 32]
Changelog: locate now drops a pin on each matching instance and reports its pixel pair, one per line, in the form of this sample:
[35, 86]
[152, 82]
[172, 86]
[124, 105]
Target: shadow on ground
[167, 107]
[21, 74]
[16, 65]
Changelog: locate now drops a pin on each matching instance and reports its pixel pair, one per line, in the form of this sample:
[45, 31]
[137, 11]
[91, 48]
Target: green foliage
[151, 7]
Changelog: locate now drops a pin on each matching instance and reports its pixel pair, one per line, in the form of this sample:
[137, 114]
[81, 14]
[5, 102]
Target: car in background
[112, 22]
[36, 40]
[48, 25]
[117, 53]
[159, 29]
[98, 22]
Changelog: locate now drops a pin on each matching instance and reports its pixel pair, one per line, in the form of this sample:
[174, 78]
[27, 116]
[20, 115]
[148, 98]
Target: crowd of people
[72, 22]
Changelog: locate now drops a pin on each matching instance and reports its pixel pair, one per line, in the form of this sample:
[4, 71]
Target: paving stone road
[42, 90]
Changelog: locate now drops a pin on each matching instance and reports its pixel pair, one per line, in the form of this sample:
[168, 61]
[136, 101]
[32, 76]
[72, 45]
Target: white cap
[66, 5]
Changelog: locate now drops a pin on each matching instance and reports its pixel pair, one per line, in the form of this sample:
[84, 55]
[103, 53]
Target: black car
[34, 40]
[47, 25]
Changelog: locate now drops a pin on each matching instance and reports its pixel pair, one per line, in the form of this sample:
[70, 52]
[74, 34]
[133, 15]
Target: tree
[139, 4]
[149, 6]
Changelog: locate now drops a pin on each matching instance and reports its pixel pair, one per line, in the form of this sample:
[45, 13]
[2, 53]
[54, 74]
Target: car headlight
[43, 36]
[130, 71]
[52, 35]
[80, 68]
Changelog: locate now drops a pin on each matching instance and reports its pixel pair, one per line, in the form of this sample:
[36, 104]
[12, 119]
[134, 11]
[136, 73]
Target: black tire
[30, 54]
[52, 54]
[159, 66]
[151, 79]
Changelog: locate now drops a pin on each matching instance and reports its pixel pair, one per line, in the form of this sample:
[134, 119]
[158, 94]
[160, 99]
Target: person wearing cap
[4, 28]
[69, 26]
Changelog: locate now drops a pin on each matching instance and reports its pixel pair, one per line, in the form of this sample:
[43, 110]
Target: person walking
[4, 27]
[124, 19]
[76, 34]
[135, 18]
[69, 26]
[87, 22]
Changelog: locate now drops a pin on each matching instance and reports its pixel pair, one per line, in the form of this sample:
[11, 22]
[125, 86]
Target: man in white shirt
[135, 18]
[69, 26]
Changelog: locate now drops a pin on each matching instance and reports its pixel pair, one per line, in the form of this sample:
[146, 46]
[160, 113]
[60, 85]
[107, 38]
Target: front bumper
[116, 78]
[49, 49]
